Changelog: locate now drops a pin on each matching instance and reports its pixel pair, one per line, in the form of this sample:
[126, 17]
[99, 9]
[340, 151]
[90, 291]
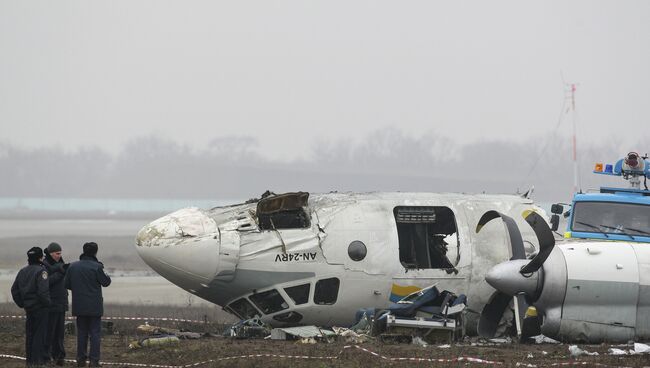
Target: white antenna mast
[576, 177]
[570, 94]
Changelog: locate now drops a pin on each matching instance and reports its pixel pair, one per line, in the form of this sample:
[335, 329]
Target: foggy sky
[292, 75]
[388, 160]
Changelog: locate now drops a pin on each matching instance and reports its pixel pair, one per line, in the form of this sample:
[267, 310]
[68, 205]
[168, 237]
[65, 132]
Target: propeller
[499, 301]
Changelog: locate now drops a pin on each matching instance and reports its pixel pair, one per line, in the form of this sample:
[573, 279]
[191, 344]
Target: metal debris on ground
[252, 328]
[576, 351]
[157, 330]
[158, 340]
[351, 336]
[640, 348]
[501, 340]
[541, 339]
[427, 313]
[301, 332]
[417, 340]
[615, 351]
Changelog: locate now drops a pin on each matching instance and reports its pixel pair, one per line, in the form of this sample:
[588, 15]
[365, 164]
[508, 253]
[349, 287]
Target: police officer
[59, 295]
[31, 291]
[86, 278]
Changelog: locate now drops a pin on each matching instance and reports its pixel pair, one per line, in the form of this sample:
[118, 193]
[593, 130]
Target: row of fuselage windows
[271, 301]
[428, 236]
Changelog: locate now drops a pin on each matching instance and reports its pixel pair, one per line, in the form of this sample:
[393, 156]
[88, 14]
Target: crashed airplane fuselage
[295, 259]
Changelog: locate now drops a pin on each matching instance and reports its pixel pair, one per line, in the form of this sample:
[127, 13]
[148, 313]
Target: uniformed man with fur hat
[31, 291]
[85, 278]
[56, 268]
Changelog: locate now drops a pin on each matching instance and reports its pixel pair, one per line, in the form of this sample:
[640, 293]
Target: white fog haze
[157, 104]
[291, 75]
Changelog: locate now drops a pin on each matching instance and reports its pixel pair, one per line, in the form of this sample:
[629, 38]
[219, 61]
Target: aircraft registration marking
[296, 257]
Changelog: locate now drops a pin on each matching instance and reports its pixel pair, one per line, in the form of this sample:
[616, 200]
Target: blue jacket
[85, 279]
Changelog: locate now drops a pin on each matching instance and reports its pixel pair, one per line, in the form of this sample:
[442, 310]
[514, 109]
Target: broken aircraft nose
[183, 247]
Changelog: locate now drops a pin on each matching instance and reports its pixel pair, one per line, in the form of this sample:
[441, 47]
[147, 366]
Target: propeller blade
[492, 313]
[520, 312]
[544, 237]
[516, 242]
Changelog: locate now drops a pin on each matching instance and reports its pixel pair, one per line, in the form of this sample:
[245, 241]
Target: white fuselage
[597, 291]
[222, 255]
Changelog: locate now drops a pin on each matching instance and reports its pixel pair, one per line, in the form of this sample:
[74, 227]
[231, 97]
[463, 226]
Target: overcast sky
[292, 73]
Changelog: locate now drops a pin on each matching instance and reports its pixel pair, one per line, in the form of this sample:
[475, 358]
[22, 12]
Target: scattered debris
[427, 313]
[351, 336]
[154, 341]
[541, 339]
[641, 348]
[615, 351]
[302, 332]
[501, 340]
[576, 351]
[417, 340]
[252, 328]
[188, 335]
[156, 330]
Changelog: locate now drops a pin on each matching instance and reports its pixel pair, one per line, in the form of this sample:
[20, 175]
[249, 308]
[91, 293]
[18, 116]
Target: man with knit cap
[85, 279]
[31, 291]
[59, 295]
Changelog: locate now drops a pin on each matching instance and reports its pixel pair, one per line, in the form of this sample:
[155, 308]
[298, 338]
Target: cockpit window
[428, 237]
[626, 219]
[326, 291]
[243, 309]
[299, 294]
[269, 301]
[283, 211]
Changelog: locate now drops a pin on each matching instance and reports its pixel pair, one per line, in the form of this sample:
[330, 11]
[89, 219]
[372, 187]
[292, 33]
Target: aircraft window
[269, 301]
[283, 211]
[299, 294]
[289, 317]
[326, 291]
[243, 309]
[357, 250]
[428, 237]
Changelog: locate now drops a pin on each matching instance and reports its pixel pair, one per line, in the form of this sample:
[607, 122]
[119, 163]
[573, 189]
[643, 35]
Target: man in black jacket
[85, 278]
[31, 291]
[59, 296]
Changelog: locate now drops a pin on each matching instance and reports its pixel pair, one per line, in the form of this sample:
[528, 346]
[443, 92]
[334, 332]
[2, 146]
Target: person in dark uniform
[85, 279]
[59, 295]
[31, 291]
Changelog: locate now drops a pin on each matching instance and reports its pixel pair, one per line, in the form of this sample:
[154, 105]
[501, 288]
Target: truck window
[611, 218]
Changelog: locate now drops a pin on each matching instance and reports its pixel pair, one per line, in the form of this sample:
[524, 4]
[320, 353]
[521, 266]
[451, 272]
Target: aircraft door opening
[428, 237]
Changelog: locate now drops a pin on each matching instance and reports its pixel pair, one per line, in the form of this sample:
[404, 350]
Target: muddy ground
[337, 353]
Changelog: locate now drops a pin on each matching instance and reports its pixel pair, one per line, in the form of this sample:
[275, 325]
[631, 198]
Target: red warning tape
[337, 356]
